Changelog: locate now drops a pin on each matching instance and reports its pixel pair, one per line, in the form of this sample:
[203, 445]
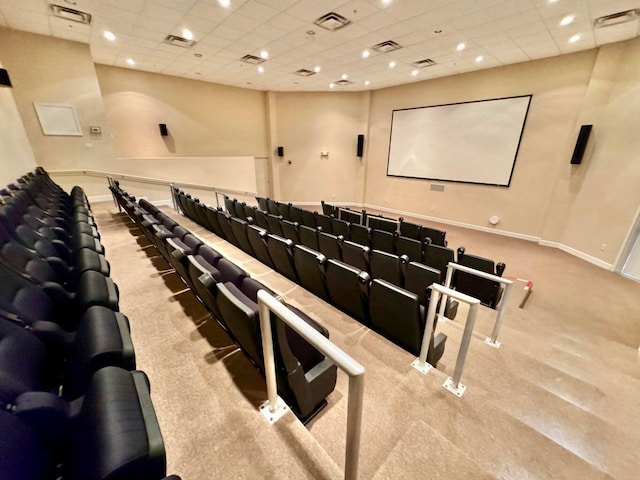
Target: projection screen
[471, 142]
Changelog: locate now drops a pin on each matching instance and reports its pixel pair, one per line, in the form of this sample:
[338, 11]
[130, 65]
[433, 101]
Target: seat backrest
[272, 207]
[275, 226]
[284, 210]
[260, 219]
[230, 205]
[438, 237]
[396, 314]
[262, 204]
[386, 266]
[383, 240]
[411, 230]
[327, 209]
[340, 227]
[418, 278]
[290, 231]
[230, 272]
[296, 214]
[360, 234]
[329, 245]
[487, 291]
[282, 256]
[308, 218]
[249, 211]
[378, 222]
[258, 240]
[224, 221]
[350, 216]
[438, 257]
[410, 247]
[355, 255]
[308, 237]
[239, 228]
[324, 222]
[212, 217]
[348, 289]
[239, 212]
[310, 267]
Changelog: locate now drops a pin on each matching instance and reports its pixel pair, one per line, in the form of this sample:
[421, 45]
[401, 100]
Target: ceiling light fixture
[365, 54]
[188, 34]
[331, 85]
[414, 72]
[316, 69]
[479, 59]
[461, 46]
[344, 76]
[567, 20]
[392, 64]
[264, 54]
[575, 38]
[260, 69]
[131, 61]
[367, 82]
[224, 3]
[109, 35]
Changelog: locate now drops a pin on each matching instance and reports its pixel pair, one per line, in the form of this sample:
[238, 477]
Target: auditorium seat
[260, 219]
[350, 216]
[308, 219]
[380, 222]
[280, 251]
[308, 237]
[258, 240]
[438, 257]
[330, 245]
[310, 267]
[360, 234]
[328, 209]
[239, 206]
[324, 222]
[387, 266]
[179, 251]
[383, 240]
[272, 207]
[418, 278]
[290, 231]
[275, 226]
[230, 205]
[355, 255]
[296, 214]
[239, 228]
[438, 237]
[284, 210]
[487, 291]
[410, 230]
[224, 221]
[348, 289]
[249, 211]
[410, 247]
[212, 219]
[340, 227]
[262, 204]
[397, 314]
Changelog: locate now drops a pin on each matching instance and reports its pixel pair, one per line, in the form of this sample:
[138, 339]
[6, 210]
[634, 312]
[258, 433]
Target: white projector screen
[472, 142]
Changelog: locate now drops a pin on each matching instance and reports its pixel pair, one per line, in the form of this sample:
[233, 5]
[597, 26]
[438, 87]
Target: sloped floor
[559, 399]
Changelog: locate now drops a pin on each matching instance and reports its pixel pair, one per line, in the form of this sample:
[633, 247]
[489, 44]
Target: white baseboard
[100, 198]
[162, 203]
[318, 204]
[577, 253]
[470, 226]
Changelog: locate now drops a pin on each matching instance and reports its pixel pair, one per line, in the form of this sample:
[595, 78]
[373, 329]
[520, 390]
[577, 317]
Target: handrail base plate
[491, 343]
[457, 391]
[421, 367]
[272, 417]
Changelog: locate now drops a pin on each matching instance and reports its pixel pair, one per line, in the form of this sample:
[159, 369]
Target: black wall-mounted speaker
[163, 129]
[581, 144]
[281, 151]
[4, 78]
[360, 148]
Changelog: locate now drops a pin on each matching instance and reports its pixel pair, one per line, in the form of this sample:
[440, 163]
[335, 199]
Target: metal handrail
[151, 180]
[492, 341]
[344, 362]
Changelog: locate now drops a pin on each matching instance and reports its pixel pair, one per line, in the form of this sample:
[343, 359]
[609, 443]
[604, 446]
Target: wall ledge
[577, 253]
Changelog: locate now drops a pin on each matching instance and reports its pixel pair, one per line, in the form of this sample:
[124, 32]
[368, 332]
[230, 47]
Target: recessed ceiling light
[367, 82]
[552, 1]
[567, 20]
[365, 54]
[392, 64]
[479, 59]
[109, 35]
[386, 2]
[131, 61]
[575, 38]
[461, 46]
[188, 34]
[260, 69]
[414, 72]
[264, 54]
[316, 68]
[224, 3]
[344, 76]
[331, 85]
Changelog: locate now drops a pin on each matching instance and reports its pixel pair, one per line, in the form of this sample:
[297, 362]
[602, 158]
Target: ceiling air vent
[332, 21]
[179, 41]
[71, 14]
[252, 59]
[343, 83]
[303, 72]
[617, 18]
[386, 47]
[426, 62]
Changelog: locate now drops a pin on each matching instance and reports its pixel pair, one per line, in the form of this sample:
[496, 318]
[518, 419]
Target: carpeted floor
[559, 399]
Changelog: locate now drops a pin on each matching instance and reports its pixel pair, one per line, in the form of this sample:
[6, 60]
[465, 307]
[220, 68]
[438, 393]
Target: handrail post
[493, 340]
[269, 359]
[354, 427]
[420, 363]
[453, 384]
[173, 197]
[447, 284]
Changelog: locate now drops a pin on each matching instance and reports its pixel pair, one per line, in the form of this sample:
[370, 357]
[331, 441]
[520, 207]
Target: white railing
[452, 383]
[492, 341]
[274, 405]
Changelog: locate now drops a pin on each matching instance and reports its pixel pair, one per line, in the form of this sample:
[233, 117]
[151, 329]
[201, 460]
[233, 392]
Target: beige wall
[310, 123]
[16, 156]
[45, 69]
[203, 119]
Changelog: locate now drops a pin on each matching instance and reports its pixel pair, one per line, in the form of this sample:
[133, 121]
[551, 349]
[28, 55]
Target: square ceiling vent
[426, 62]
[70, 14]
[332, 21]
[179, 41]
[303, 72]
[252, 59]
[617, 18]
[386, 47]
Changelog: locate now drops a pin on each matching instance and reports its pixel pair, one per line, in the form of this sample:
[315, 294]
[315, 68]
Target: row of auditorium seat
[72, 405]
[392, 303]
[305, 376]
[354, 243]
